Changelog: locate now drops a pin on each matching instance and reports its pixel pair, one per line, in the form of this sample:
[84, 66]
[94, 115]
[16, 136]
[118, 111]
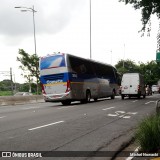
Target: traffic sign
[158, 56]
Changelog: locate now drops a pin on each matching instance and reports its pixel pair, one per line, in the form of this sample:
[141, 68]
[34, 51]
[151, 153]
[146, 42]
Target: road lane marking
[107, 108]
[134, 113]
[66, 107]
[2, 117]
[31, 129]
[150, 102]
[134, 101]
[131, 157]
[30, 108]
[122, 114]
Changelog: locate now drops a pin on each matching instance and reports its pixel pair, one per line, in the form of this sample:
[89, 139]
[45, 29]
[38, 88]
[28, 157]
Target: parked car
[23, 94]
[148, 90]
[155, 89]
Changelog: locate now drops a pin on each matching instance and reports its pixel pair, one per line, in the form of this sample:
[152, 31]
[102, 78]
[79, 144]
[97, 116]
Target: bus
[66, 78]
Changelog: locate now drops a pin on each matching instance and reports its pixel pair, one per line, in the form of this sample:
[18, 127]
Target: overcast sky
[64, 26]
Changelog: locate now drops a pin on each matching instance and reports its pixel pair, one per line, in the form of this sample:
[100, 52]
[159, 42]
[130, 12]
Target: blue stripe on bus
[69, 76]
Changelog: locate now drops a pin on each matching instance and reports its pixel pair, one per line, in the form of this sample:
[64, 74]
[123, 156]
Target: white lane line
[30, 108]
[2, 117]
[131, 157]
[134, 101]
[107, 108]
[134, 113]
[150, 102]
[66, 107]
[31, 129]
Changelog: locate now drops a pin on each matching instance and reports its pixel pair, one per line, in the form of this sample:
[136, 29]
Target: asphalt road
[97, 126]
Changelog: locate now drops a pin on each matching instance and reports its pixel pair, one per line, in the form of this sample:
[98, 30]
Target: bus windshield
[52, 62]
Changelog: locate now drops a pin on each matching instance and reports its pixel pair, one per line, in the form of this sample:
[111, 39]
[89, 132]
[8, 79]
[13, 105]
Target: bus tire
[95, 99]
[88, 96]
[113, 94]
[122, 96]
[67, 102]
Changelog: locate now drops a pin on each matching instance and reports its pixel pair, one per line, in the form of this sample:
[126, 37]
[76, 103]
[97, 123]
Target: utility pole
[124, 56]
[11, 81]
[31, 9]
[90, 30]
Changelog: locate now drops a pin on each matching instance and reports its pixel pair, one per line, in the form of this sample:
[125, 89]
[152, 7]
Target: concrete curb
[123, 146]
[14, 100]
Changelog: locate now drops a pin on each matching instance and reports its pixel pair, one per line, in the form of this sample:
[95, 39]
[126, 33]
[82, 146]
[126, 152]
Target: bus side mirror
[158, 107]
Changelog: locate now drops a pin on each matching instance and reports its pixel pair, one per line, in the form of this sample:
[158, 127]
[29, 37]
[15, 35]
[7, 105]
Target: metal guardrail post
[158, 106]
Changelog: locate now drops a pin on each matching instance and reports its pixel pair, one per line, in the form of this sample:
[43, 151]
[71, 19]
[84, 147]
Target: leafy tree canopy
[29, 65]
[125, 66]
[150, 70]
[148, 7]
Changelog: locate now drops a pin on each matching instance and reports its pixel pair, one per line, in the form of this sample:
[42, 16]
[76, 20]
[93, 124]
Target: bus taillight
[43, 91]
[68, 86]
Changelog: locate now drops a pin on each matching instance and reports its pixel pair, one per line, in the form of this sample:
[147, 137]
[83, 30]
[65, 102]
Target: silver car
[23, 94]
[155, 89]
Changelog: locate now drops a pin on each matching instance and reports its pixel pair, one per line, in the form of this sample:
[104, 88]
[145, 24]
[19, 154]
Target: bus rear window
[52, 62]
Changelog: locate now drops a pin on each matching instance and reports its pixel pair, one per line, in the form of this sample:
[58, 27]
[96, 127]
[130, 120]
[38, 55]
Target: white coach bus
[66, 78]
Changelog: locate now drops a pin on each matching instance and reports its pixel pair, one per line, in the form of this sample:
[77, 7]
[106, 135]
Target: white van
[132, 85]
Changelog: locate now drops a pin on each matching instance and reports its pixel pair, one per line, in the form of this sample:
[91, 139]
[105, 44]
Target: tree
[125, 66]
[151, 71]
[29, 65]
[148, 7]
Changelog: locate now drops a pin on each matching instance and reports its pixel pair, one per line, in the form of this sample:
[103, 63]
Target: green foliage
[5, 85]
[5, 93]
[6, 90]
[29, 63]
[125, 66]
[148, 134]
[29, 66]
[150, 70]
[148, 7]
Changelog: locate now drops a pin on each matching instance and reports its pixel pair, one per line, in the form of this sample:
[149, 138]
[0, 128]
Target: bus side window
[118, 77]
[83, 68]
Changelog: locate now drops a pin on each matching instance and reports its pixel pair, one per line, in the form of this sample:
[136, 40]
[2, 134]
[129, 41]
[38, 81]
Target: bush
[148, 134]
[5, 93]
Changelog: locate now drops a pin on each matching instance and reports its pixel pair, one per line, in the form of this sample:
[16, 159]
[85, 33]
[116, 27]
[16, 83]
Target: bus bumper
[57, 97]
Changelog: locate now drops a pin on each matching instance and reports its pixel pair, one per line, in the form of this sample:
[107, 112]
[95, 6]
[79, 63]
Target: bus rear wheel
[67, 102]
[113, 94]
[88, 96]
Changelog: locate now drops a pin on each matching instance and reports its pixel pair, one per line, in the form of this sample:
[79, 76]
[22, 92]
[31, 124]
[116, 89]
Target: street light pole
[25, 9]
[33, 11]
[90, 31]
[124, 55]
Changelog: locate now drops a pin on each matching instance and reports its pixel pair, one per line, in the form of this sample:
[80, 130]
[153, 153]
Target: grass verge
[148, 134]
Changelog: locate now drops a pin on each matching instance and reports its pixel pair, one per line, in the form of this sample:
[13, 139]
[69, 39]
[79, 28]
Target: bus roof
[67, 54]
